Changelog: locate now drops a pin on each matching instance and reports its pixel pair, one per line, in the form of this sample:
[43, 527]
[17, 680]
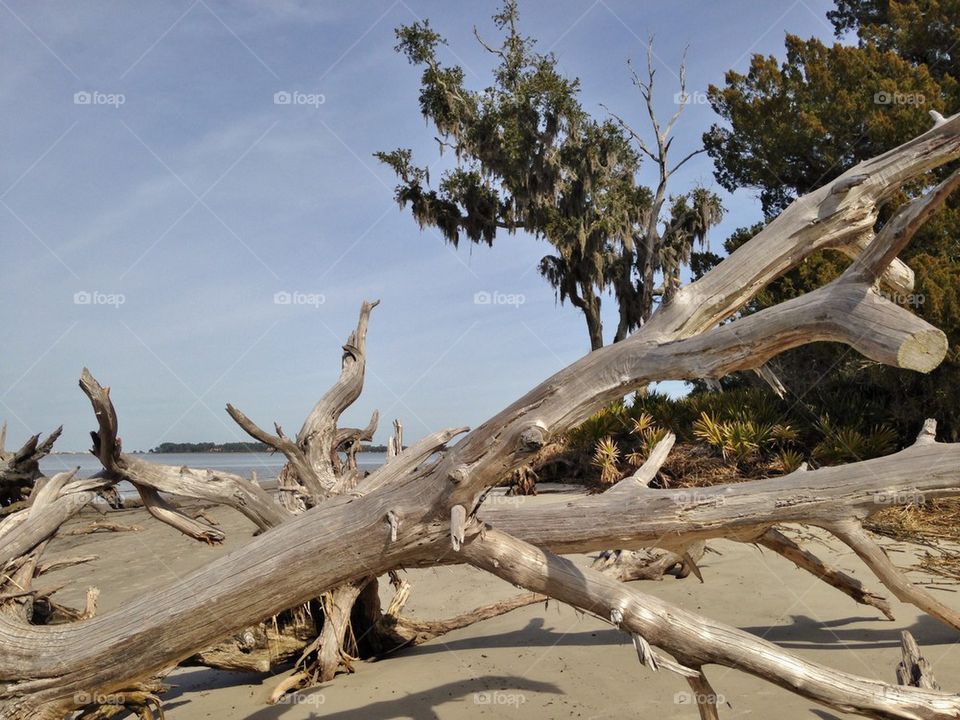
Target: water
[266, 465]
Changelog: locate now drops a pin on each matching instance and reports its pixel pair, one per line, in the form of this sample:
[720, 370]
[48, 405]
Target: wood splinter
[394, 521]
[644, 651]
[458, 521]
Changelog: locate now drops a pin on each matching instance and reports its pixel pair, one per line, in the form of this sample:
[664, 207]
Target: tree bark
[424, 507]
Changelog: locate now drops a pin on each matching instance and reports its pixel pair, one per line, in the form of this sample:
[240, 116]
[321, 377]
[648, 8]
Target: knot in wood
[459, 474]
[533, 437]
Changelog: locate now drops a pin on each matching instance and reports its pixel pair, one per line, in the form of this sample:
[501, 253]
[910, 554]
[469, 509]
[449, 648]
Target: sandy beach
[535, 662]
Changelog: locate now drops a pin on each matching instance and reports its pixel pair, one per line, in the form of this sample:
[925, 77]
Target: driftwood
[102, 526]
[334, 533]
[20, 469]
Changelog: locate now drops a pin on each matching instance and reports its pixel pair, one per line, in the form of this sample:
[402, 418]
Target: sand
[534, 663]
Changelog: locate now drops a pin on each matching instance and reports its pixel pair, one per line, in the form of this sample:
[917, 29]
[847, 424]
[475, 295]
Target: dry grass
[930, 524]
[697, 465]
[920, 523]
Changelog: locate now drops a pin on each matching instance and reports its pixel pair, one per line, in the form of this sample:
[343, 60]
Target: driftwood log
[333, 532]
[20, 469]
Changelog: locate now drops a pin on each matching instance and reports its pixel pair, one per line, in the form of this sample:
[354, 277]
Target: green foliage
[734, 420]
[648, 434]
[742, 440]
[612, 420]
[710, 431]
[789, 460]
[606, 457]
[847, 444]
[792, 125]
[210, 447]
[925, 32]
[529, 157]
[752, 430]
[796, 125]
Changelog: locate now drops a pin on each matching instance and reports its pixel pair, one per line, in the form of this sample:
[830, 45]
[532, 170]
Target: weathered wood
[704, 696]
[318, 436]
[805, 560]
[876, 558]
[219, 487]
[898, 277]
[692, 639]
[913, 669]
[20, 469]
[835, 215]
[280, 442]
[102, 526]
[404, 631]
[167, 513]
[651, 564]
[643, 517]
[58, 499]
[59, 563]
[428, 498]
[330, 646]
[395, 442]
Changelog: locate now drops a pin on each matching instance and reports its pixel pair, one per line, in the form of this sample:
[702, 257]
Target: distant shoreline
[169, 448]
[201, 448]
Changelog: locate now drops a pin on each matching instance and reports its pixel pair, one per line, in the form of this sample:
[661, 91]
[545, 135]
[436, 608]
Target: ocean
[266, 465]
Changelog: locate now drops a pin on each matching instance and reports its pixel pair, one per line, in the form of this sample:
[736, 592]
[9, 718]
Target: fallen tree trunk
[694, 640]
[421, 508]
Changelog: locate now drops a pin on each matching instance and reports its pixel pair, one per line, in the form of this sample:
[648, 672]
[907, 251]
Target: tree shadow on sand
[496, 691]
[805, 632]
[533, 634]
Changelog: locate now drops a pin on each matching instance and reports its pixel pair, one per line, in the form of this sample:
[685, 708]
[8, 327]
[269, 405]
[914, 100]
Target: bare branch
[219, 487]
[689, 156]
[58, 499]
[318, 434]
[897, 233]
[828, 217]
[168, 514]
[805, 560]
[874, 556]
[280, 443]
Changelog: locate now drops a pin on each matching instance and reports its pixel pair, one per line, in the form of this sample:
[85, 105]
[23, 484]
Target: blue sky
[185, 191]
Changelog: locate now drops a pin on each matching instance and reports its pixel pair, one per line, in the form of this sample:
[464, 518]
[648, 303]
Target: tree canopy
[794, 124]
[530, 158]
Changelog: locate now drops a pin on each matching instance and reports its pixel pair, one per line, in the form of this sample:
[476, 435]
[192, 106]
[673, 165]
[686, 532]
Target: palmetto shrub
[750, 430]
[606, 457]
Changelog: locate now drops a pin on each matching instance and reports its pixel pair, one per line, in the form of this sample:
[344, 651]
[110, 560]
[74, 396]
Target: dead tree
[20, 469]
[336, 532]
